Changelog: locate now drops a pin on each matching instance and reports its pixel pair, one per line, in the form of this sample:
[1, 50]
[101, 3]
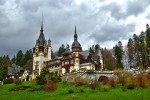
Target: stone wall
[94, 75]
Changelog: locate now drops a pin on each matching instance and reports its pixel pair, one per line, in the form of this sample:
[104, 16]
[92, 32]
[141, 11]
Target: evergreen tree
[68, 47]
[27, 56]
[7, 57]
[148, 39]
[118, 50]
[130, 52]
[3, 68]
[4, 56]
[61, 50]
[31, 53]
[19, 58]
[14, 59]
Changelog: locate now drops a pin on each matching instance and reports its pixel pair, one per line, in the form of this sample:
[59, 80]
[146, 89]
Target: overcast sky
[103, 21]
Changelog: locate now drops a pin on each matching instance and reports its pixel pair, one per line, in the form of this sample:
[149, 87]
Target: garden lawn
[62, 93]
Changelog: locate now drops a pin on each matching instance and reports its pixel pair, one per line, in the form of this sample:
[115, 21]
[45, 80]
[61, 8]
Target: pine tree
[130, 52]
[148, 39]
[19, 58]
[7, 57]
[61, 50]
[14, 59]
[118, 50]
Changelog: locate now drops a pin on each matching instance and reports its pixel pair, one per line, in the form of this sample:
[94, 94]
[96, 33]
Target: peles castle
[71, 61]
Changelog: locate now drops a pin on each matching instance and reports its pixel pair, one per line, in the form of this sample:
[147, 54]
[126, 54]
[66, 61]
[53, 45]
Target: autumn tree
[108, 59]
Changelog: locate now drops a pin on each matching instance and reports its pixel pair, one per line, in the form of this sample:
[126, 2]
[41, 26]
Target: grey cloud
[131, 7]
[2, 2]
[112, 31]
[60, 17]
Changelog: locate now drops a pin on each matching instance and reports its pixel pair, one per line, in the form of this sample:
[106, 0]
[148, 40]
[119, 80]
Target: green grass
[62, 93]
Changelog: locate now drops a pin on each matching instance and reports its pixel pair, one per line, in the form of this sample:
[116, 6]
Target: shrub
[17, 76]
[122, 75]
[130, 86]
[148, 76]
[81, 90]
[8, 81]
[94, 84]
[141, 81]
[17, 81]
[40, 80]
[112, 82]
[59, 78]
[105, 89]
[55, 79]
[70, 91]
[50, 86]
[123, 88]
[27, 78]
[18, 88]
[80, 81]
[103, 79]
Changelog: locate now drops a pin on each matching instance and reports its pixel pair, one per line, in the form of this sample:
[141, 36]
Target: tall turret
[41, 52]
[76, 48]
[100, 55]
[49, 50]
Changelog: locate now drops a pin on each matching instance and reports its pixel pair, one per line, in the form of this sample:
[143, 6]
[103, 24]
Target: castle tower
[100, 55]
[76, 48]
[41, 53]
[49, 50]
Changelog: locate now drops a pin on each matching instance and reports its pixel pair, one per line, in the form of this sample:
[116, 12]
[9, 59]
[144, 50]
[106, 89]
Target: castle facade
[71, 61]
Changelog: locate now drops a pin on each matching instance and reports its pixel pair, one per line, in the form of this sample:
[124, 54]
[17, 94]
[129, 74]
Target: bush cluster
[105, 89]
[94, 84]
[111, 82]
[46, 76]
[141, 81]
[17, 81]
[8, 81]
[81, 90]
[70, 90]
[130, 86]
[50, 86]
[18, 88]
[80, 81]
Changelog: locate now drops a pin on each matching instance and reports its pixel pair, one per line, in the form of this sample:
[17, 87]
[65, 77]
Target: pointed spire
[75, 30]
[42, 23]
[49, 42]
[41, 37]
[75, 34]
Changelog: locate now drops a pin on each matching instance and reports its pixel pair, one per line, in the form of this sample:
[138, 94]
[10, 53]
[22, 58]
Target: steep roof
[75, 43]
[67, 51]
[85, 53]
[41, 38]
[95, 57]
